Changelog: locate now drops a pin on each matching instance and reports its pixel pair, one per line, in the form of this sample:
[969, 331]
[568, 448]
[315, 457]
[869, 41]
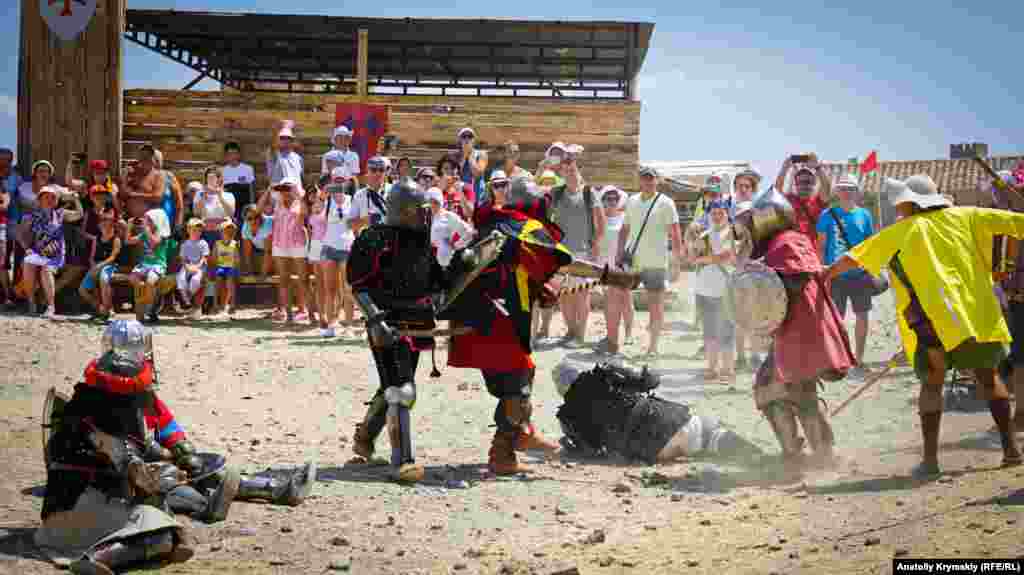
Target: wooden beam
[363, 65]
[69, 92]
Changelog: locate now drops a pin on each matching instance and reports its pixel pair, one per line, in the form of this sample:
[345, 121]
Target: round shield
[759, 299]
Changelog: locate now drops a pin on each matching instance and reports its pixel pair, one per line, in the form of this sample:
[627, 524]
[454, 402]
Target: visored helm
[128, 339]
[408, 207]
[523, 190]
[770, 214]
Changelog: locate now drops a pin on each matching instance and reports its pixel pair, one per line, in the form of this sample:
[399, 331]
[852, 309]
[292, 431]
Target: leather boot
[929, 466]
[502, 458]
[530, 439]
[118, 555]
[370, 427]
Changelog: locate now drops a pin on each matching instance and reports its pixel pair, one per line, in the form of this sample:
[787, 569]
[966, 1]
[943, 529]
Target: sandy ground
[272, 396]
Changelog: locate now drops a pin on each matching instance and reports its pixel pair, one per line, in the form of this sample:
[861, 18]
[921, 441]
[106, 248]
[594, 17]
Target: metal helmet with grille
[770, 214]
[523, 190]
[408, 207]
[129, 339]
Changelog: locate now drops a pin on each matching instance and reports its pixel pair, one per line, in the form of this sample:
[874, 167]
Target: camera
[800, 158]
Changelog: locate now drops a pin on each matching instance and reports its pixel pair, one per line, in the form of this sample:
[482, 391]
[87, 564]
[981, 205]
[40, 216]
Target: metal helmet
[129, 339]
[408, 207]
[770, 214]
[523, 190]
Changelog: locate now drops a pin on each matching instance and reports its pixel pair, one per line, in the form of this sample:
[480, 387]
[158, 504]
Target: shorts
[329, 253]
[104, 274]
[226, 273]
[654, 279]
[852, 290]
[152, 273]
[296, 252]
[715, 321]
[970, 354]
[313, 252]
[34, 259]
[1015, 317]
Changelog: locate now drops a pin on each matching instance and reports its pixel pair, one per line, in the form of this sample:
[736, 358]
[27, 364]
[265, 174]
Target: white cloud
[8, 106]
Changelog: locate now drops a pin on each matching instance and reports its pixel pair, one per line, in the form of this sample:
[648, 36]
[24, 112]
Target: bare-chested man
[145, 185]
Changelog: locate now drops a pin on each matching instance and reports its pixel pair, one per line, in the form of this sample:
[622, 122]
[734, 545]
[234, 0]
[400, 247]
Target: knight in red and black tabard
[497, 306]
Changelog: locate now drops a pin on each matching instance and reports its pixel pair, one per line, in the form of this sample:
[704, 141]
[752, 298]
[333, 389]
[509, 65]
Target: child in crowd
[337, 243]
[289, 245]
[719, 251]
[317, 222]
[153, 232]
[105, 249]
[194, 255]
[448, 231]
[226, 257]
[256, 230]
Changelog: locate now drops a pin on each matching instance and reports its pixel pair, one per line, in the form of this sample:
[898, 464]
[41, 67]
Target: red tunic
[807, 212]
[504, 347]
[813, 338]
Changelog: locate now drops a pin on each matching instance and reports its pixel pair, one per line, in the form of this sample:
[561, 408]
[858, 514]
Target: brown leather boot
[502, 458]
[530, 439]
[362, 443]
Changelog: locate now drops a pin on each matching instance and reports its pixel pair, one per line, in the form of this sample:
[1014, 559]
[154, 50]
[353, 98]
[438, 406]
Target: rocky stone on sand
[596, 537]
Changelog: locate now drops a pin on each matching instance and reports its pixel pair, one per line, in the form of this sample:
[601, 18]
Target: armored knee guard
[221, 489]
[782, 417]
[400, 400]
[120, 554]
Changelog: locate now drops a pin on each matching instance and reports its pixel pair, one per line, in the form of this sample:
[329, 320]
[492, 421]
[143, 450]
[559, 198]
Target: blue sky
[741, 80]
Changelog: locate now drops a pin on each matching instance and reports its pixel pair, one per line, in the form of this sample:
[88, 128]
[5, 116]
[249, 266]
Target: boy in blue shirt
[840, 228]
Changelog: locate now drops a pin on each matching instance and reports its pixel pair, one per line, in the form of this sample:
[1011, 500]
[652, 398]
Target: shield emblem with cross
[67, 18]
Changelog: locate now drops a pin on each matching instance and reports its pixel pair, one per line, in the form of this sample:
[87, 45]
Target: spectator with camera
[810, 191]
[651, 217]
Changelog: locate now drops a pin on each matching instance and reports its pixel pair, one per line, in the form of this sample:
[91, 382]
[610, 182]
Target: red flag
[870, 163]
[368, 122]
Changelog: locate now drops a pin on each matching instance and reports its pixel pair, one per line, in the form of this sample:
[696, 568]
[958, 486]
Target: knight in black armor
[613, 409]
[103, 509]
[395, 279]
[212, 485]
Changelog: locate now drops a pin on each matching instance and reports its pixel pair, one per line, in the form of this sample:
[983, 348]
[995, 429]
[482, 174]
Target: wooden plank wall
[190, 128]
[69, 93]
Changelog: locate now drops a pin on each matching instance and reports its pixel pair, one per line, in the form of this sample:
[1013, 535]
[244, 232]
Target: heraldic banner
[368, 122]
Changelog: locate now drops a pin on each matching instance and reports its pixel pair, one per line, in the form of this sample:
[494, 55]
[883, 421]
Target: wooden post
[69, 92]
[364, 62]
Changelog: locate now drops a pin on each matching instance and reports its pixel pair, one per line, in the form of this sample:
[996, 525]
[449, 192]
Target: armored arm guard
[381, 334]
[185, 457]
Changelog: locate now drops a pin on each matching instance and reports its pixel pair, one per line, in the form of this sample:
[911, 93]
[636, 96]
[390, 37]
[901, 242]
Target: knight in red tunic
[811, 345]
[497, 306]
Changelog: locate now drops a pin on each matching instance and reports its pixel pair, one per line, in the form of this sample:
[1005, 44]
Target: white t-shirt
[652, 251]
[610, 242]
[240, 174]
[281, 166]
[193, 251]
[443, 228]
[339, 235]
[214, 209]
[712, 280]
[363, 205]
[347, 158]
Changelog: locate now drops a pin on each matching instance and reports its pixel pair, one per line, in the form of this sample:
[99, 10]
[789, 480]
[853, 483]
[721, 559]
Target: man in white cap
[472, 162]
[369, 204]
[282, 159]
[949, 318]
[341, 154]
[651, 218]
[841, 228]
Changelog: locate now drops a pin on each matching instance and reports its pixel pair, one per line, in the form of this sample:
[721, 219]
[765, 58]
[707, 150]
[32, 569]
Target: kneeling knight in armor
[395, 279]
[103, 509]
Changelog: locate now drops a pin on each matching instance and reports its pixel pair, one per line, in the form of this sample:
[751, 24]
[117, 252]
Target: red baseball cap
[99, 166]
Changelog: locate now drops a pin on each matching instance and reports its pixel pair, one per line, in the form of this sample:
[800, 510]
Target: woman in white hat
[948, 314]
[154, 233]
[41, 233]
[342, 154]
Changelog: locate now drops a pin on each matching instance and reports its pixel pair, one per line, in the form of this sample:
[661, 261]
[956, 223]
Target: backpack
[588, 201]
